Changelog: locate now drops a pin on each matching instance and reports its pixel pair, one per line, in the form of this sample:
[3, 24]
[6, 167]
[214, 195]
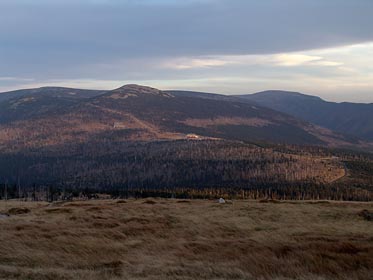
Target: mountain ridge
[349, 118]
[144, 113]
[141, 137]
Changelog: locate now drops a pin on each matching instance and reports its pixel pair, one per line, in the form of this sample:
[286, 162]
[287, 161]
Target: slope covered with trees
[135, 140]
[349, 118]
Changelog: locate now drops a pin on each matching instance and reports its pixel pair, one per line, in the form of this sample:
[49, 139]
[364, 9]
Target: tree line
[205, 169]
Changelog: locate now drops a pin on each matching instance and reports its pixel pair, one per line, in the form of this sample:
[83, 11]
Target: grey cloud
[62, 39]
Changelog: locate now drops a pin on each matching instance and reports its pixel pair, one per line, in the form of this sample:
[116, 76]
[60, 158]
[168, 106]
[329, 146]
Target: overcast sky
[319, 47]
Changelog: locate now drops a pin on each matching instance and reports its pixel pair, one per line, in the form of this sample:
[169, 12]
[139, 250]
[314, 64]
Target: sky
[318, 47]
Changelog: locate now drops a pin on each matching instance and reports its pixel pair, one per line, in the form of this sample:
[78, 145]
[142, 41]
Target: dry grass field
[182, 239]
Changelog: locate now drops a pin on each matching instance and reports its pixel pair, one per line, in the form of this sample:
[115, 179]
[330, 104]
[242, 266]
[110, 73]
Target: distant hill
[349, 118]
[27, 103]
[50, 91]
[134, 112]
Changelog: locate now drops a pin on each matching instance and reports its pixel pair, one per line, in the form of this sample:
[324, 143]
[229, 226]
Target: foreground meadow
[185, 239]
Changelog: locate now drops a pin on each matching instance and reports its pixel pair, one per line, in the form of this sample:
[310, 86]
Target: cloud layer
[165, 41]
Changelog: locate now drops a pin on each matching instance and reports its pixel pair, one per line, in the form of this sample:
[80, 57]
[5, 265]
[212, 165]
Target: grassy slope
[170, 239]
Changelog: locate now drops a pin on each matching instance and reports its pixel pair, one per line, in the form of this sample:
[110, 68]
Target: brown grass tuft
[18, 211]
[149, 202]
[121, 201]
[183, 201]
[269, 201]
[366, 215]
[59, 210]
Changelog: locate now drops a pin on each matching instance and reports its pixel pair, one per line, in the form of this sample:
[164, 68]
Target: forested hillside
[135, 140]
[355, 119]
